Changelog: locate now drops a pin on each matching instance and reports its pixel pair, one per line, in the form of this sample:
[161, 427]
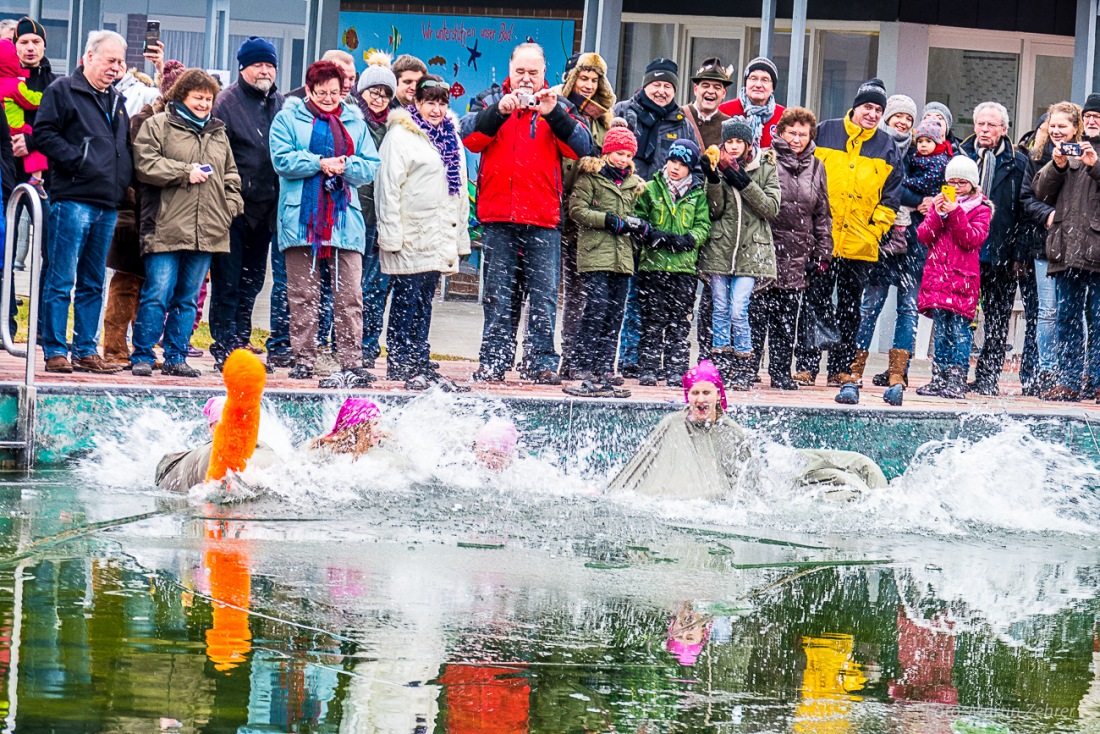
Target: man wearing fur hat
[864, 172]
[588, 97]
[756, 100]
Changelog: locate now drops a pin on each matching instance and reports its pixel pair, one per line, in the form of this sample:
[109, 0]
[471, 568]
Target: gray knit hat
[899, 104]
[377, 76]
[941, 109]
[763, 63]
[961, 167]
[737, 127]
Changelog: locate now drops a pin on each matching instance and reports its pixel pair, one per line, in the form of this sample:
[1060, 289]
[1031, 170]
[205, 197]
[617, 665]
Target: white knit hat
[377, 76]
[961, 167]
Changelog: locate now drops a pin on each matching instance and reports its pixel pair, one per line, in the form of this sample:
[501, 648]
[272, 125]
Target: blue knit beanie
[256, 50]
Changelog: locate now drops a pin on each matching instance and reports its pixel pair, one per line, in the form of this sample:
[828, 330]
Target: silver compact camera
[527, 100]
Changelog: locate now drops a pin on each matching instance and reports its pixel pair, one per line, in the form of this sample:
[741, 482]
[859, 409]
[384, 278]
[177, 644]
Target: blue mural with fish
[469, 52]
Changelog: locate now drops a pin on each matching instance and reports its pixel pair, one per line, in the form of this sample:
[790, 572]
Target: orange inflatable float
[235, 436]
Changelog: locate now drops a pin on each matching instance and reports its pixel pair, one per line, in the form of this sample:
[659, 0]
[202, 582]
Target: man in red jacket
[522, 134]
[756, 100]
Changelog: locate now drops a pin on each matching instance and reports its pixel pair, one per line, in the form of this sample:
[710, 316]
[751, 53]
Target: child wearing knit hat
[744, 194]
[926, 167]
[602, 206]
[953, 232]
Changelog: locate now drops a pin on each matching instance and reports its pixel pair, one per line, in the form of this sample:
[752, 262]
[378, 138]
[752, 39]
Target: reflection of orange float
[830, 677]
[229, 640]
[236, 434]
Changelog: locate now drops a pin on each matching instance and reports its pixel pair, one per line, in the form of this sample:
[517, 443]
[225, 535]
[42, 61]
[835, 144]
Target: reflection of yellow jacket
[865, 176]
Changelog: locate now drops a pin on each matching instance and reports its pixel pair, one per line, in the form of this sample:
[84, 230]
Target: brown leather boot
[899, 362]
[855, 372]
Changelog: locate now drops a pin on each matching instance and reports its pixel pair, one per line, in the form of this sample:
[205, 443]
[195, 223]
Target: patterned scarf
[677, 189]
[443, 137]
[757, 114]
[325, 198]
[987, 164]
[617, 175]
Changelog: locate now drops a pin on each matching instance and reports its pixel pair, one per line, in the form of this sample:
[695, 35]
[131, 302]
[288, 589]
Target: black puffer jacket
[88, 147]
[1074, 191]
[1032, 237]
[247, 113]
[1000, 248]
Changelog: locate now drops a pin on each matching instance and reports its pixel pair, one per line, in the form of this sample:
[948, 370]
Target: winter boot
[894, 395]
[722, 357]
[934, 389]
[805, 379]
[955, 383]
[849, 394]
[855, 372]
[743, 371]
[897, 371]
[882, 379]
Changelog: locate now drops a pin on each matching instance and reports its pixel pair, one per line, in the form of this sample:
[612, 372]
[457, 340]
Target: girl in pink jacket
[954, 232]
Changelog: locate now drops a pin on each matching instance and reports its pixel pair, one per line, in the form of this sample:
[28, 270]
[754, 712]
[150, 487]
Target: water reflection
[223, 624]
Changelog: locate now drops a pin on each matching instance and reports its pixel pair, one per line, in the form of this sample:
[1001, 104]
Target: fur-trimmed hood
[401, 116]
[595, 164]
[604, 96]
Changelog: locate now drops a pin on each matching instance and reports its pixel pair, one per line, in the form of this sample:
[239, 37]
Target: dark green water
[274, 617]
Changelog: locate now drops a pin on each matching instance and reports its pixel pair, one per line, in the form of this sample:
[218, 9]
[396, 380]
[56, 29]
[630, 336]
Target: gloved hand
[811, 267]
[737, 178]
[614, 224]
[680, 243]
[709, 170]
[658, 239]
[638, 227]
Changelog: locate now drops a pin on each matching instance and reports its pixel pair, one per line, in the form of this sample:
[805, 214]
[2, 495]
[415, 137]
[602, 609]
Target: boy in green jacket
[675, 205]
[602, 206]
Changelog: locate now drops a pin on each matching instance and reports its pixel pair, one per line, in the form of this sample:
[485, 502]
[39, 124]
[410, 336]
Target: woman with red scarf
[322, 151]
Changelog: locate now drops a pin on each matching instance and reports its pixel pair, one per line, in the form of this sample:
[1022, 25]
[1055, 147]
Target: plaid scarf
[677, 189]
[325, 198]
[443, 137]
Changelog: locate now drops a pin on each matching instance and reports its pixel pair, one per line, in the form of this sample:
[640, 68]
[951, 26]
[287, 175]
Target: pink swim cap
[353, 412]
[213, 409]
[498, 434]
[705, 371]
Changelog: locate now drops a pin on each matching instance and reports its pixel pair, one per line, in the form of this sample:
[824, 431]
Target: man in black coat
[83, 129]
[237, 277]
[1001, 170]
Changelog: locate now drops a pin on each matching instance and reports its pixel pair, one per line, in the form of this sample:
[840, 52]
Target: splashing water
[1009, 482]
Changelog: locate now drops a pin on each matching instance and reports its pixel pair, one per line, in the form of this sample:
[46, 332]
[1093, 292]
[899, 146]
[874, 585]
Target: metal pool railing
[23, 443]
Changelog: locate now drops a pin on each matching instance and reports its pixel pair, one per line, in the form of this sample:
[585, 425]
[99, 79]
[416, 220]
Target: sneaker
[988, 388]
[547, 377]
[96, 364]
[487, 374]
[581, 375]
[419, 383]
[301, 372]
[345, 380]
[142, 369]
[629, 371]
[180, 369]
[590, 389]
[280, 360]
[784, 382]
[363, 374]
[193, 352]
[647, 380]
[59, 364]
[38, 187]
[848, 395]
[397, 372]
[613, 379]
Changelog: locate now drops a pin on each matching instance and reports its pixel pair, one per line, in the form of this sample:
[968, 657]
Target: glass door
[704, 43]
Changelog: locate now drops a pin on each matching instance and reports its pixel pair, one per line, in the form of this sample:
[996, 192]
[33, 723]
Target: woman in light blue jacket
[322, 150]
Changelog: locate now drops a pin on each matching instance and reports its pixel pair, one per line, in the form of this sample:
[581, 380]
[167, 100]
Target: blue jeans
[631, 332]
[1078, 292]
[410, 321]
[540, 263]
[76, 252]
[278, 343]
[951, 339]
[1046, 330]
[905, 327]
[376, 286]
[731, 296]
[172, 282]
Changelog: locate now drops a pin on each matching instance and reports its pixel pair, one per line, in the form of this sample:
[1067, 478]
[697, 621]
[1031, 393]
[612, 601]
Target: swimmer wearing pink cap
[495, 444]
[356, 431]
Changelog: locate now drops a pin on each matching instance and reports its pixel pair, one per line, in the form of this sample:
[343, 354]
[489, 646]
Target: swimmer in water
[356, 432]
[495, 444]
[699, 452]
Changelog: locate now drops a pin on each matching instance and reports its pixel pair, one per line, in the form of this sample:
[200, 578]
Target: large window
[182, 28]
[843, 62]
[962, 79]
[282, 23]
[781, 55]
[643, 42]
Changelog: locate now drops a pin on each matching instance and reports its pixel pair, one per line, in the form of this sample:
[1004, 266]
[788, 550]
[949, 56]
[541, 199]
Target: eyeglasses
[433, 84]
[326, 95]
[1091, 116]
[379, 93]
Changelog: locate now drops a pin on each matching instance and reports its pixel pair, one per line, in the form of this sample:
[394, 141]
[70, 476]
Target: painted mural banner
[470, 52]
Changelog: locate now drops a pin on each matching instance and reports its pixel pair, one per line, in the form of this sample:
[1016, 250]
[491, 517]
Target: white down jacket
[421, 228]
